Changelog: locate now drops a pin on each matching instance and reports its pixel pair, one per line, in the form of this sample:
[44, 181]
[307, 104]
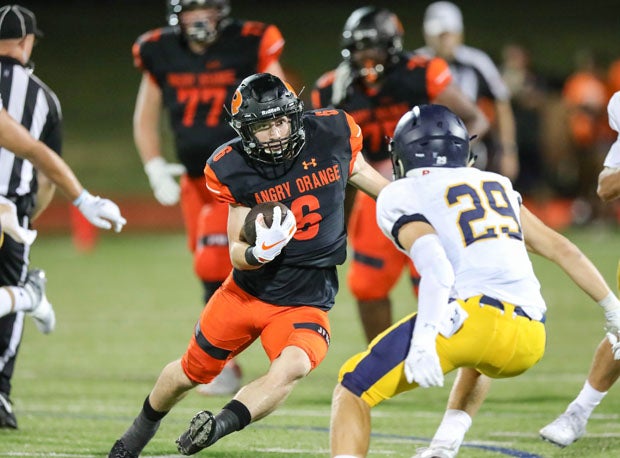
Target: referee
[29, 101]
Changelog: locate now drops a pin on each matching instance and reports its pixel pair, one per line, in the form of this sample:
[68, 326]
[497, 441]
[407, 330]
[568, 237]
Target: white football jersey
[612, 159]
[476, 216]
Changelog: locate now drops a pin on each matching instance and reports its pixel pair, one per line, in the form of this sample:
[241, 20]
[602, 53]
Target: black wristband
[250, 258]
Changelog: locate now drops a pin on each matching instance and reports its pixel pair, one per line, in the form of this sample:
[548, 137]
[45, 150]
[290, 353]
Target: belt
[491, 301]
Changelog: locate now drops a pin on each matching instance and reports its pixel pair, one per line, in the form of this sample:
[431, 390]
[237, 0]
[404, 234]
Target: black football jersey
[313, 188]
[412, 80]
[196, 87]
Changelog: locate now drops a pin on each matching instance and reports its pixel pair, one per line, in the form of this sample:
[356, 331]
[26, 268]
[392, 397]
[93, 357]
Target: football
[248, 232]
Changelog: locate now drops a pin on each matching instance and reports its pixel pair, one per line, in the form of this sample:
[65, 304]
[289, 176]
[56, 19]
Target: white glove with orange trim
[271, 240]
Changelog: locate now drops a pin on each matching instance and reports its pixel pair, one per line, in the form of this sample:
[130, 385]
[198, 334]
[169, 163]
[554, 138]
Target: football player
[376, 83]
[605, 370]
[459, 225]
[281, 287]
[191, 68]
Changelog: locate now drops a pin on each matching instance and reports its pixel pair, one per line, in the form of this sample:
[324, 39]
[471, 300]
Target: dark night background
[85, 57]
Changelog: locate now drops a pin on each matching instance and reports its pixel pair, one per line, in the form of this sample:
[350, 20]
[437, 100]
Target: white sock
[587, 399]
[14, 299]
[451, 431]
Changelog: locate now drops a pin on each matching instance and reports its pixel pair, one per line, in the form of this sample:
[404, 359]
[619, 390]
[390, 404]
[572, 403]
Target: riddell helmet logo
[236, 103]
[271, 111]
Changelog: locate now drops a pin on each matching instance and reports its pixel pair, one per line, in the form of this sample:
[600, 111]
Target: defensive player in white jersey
[605, 368]
[459, 225]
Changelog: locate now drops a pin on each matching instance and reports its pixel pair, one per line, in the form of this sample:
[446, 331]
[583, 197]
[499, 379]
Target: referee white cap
[441, 17]
[17, 22]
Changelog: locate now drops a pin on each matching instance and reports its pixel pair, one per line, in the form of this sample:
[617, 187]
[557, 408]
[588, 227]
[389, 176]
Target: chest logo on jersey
[311, 162]
[300, 185]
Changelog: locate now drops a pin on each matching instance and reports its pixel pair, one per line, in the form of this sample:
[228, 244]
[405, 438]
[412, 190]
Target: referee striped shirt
[29, 101]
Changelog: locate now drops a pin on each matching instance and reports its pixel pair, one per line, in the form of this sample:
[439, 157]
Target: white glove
[611, 305]
[162, 179]
[271, 240]
[10, 224]
[100, 212]
[342, 81]
[422, 363]
[612, 326]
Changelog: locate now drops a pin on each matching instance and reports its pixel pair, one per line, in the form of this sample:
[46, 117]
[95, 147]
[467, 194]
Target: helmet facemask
[371, 42]
[203, 26]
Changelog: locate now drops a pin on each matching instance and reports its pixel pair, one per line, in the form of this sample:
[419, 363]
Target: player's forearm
[239, 256]
[15, 138]
[581, 270]
[367, 179]
[146, 139]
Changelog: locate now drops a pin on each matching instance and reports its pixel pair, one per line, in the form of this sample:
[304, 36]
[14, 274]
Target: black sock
[234, 416]
[143, 428]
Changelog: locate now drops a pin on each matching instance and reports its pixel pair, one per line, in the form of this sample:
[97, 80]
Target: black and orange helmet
[263, 97]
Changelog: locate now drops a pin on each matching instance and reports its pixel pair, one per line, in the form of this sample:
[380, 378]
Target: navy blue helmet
[429, 136]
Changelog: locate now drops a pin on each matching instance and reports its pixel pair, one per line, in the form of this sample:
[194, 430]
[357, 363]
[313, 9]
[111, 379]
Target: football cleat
[119, 451]
[436, 452]
[42, 311]
[566, 429]
[226, 383]
[199, 435]
[7, 416]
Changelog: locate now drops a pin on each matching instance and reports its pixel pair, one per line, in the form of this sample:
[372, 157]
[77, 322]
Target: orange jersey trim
[270, 48]
[356, 140]
[153, 35]
[220, 191]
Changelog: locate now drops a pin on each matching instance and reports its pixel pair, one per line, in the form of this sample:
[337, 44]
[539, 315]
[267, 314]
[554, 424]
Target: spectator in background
[528, 96]
[376, 83]
[30, 170]
[585, 96]
[191, 68]
[478, 77]
[605, 368]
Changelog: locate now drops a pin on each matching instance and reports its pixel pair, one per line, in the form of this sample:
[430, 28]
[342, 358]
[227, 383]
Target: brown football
[248, 233]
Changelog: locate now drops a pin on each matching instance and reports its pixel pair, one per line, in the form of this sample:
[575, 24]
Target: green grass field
[128, 308]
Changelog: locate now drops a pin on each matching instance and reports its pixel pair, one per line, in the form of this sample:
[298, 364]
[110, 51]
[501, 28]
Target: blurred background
[85, 57]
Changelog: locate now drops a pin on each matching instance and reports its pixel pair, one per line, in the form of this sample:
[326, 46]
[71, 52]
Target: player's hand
[612, 326]
[422, 363]
[342, 80]
[162, 179]
[102, 213]
[271, 240]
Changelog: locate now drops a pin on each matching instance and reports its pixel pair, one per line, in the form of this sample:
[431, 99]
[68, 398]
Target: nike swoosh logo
[267, 247]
